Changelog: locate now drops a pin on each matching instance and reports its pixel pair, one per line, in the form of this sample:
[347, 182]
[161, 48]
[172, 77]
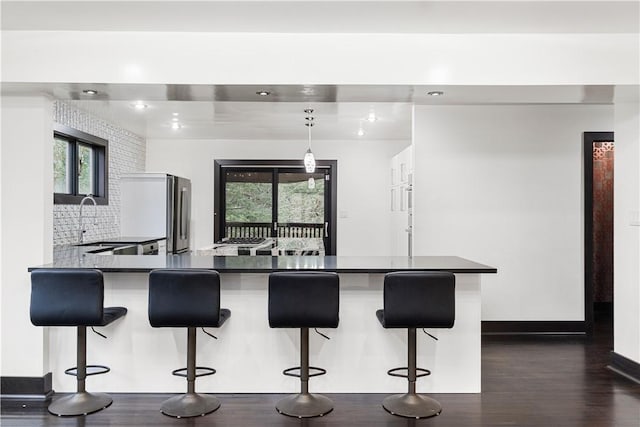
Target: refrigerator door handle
[184, 206]
[171, 212]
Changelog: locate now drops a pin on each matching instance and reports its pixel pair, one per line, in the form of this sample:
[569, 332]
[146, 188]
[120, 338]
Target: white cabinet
[400, 191]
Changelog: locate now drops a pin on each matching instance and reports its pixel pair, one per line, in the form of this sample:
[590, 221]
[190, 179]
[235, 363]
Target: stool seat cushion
[69, 297]
[304, 300]
[418, 300]
[109, 314]
[185, 298]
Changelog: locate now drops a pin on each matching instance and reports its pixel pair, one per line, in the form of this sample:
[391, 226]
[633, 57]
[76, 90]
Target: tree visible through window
[299, 203]
[61, 166]
[248, 196]
[86, 169]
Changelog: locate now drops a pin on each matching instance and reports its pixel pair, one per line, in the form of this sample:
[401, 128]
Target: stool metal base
[411, 405]
[189, 405]
[305, 405]
[81, 403]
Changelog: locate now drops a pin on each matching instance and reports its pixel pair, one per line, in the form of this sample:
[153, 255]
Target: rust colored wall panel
[603, 221]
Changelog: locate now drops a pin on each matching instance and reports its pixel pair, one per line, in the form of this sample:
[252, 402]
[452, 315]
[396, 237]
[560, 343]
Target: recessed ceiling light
[435, 93]
[372, 117]
[90, 91]
[175, 114]
[139, 105]
[175, 125]
[263, 93]
[175, 119]
[360, 132]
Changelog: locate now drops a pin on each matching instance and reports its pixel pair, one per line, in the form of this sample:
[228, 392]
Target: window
[274, 198]
[80, 166]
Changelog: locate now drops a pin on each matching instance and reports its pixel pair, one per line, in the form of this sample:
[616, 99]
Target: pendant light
[309, 159]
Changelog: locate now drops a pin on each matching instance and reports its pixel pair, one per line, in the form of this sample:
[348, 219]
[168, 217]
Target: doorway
[598, 150]
[277, 199]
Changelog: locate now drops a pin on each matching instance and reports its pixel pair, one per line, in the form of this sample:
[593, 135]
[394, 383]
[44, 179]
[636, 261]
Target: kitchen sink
[113, 249]
[126, 250]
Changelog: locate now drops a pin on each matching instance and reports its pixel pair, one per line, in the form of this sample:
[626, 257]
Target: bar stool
[304, 300]
[74, 297]
[416, 300]
[187, 299]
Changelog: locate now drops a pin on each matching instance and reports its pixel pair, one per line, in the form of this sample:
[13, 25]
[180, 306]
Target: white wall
[502, 185]
[126, 155]
[27, 231]
[626, 236]
[362, 173]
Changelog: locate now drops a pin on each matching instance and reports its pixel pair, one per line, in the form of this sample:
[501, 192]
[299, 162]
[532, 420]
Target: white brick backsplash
[127, 152]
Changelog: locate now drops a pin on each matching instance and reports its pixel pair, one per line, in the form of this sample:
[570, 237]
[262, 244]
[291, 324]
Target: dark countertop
[129, 240]
[75, 257]
[135, 240]
[62, 252]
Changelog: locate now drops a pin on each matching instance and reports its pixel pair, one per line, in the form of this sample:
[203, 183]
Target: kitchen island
[249, 356]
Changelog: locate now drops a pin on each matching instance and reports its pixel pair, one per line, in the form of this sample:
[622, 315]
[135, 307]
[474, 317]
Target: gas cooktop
[243, 240]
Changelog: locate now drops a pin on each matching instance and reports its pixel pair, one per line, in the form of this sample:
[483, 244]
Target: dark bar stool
[187, 299]
[416, 300]
[74, 297]
[304, 300]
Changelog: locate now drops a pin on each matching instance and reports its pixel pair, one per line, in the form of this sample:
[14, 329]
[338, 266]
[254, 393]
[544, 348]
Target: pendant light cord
[309, 159]
[309, 123]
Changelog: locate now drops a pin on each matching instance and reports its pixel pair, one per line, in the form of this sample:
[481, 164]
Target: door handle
[183, 213]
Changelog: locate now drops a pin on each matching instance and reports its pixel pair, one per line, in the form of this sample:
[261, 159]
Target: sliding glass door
[277, 199]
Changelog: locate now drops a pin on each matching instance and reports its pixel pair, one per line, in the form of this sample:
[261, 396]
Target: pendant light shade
[309, 158]
[309, 161]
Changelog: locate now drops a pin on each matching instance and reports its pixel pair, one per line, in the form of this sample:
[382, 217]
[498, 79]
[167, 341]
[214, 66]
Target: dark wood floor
[551, 381]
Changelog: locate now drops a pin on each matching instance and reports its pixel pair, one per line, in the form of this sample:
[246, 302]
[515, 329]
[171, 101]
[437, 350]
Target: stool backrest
[184, 298]
[67, 297]
[419, 300]
[299, 299]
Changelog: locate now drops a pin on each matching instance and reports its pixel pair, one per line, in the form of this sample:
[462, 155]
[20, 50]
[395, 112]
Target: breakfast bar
[248, 355]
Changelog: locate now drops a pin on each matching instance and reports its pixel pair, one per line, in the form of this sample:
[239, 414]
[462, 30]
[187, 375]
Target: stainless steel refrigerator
[156, 205]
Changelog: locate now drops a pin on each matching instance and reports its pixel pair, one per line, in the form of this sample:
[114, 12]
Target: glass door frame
[330, 166]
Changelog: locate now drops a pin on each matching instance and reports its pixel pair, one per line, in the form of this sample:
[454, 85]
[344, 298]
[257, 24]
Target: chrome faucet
[81, 231]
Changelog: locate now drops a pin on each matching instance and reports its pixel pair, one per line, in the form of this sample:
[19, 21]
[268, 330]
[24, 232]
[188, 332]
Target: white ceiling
[238, 112]
[304, 16]
[256, 120]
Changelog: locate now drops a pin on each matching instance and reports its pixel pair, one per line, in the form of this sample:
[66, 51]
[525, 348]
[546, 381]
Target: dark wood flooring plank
[550, 381]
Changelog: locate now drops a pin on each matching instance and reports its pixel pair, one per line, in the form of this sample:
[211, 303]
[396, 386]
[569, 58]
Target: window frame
[100, 148]
[330, 166]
